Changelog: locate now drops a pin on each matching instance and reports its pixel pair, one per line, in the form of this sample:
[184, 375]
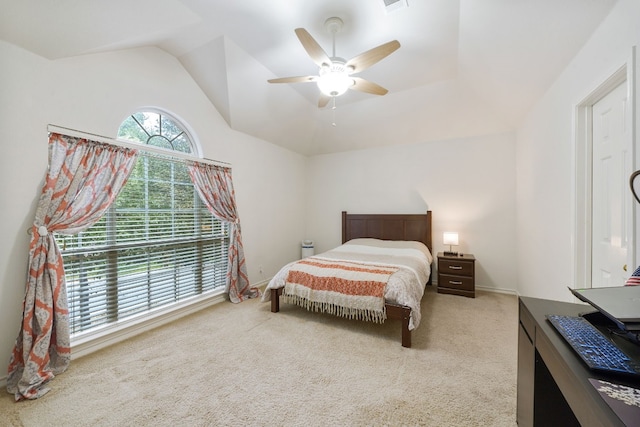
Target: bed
[368, 239]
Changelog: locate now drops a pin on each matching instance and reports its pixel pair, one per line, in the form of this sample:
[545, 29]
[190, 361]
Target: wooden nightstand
[456, 274]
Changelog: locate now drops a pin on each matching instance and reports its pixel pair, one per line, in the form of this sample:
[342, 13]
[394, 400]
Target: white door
[611, 199]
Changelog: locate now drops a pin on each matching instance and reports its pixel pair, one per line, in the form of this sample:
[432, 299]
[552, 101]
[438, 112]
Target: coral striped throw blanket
[344, 288]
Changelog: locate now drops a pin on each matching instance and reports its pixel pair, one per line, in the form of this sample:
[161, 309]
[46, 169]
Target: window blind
[156, 245]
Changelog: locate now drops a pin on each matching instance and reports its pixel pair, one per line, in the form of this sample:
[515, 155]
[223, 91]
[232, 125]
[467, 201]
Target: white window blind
[156, 245]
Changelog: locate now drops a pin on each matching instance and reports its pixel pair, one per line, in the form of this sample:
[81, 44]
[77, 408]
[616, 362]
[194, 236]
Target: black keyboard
[592, 346]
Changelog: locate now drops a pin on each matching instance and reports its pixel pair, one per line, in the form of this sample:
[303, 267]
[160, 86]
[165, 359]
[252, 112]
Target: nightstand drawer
[457, 274]
[456, 267]
[456, 282]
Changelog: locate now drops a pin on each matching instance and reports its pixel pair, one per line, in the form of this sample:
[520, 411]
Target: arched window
[157, 129]
[157, 244]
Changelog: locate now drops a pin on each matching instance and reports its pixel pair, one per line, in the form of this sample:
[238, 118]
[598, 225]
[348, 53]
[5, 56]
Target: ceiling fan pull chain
[333, 112]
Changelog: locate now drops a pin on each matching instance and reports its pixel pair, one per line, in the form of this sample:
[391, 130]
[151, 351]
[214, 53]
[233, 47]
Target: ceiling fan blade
[370, 57]
[363, 85]
[323, 101]
[317, 54]
[299, 79]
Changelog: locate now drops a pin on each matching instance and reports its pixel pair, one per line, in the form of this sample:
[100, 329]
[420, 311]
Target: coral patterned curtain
[215, 188]
[83, 179]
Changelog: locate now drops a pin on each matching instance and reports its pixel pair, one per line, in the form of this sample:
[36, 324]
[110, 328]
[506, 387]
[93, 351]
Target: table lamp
[450, 238]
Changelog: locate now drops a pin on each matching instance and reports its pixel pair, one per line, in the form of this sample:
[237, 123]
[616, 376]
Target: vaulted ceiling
[465, 67]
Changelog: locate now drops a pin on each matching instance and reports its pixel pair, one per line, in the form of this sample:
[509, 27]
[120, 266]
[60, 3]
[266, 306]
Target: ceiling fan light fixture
[334, 80]
[334, 77]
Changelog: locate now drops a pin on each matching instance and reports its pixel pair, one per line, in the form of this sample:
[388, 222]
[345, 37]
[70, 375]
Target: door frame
[583, 142]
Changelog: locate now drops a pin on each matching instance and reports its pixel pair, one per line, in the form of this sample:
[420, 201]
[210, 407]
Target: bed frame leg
[406, 333]
[402, 313]
[275, 300]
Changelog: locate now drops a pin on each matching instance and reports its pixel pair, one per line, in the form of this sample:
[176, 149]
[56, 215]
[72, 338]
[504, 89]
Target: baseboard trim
[261, 284]
[497, 290]
[486, 289]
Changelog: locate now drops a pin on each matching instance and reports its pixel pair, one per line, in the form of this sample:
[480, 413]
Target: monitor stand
[596, 318]
[602, 322]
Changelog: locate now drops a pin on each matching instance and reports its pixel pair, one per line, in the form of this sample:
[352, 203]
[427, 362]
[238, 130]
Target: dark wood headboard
[388, 227]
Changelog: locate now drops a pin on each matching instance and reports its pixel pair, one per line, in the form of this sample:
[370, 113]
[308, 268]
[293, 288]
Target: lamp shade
[450, 238]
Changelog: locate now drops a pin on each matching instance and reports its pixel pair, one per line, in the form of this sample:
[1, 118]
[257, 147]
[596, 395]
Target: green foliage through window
[156, 129]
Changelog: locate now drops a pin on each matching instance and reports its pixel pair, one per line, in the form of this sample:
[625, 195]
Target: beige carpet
[241, 365]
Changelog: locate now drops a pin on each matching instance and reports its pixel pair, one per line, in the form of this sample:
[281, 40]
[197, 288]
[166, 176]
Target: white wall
[94, 94]
[545, 158]
[469, 184]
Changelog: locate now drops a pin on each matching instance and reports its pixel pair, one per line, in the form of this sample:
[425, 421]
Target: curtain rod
[132, 145]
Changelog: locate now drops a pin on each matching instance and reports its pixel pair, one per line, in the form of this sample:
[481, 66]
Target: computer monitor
[621, 304]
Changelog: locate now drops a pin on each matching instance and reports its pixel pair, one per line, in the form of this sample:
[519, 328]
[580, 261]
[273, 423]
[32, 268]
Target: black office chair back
[635, 186]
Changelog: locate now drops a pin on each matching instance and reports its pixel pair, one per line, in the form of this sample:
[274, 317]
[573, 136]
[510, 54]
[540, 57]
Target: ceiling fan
[335, 76]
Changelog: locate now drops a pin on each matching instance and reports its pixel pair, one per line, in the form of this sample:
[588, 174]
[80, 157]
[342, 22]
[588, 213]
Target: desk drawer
[455, 267]
[527, 322]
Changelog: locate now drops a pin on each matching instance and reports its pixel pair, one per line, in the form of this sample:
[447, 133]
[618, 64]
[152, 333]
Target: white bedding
[405, 287]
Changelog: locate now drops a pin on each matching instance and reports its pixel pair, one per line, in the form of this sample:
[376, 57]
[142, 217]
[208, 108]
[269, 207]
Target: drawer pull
[455, 267]
[451, 282]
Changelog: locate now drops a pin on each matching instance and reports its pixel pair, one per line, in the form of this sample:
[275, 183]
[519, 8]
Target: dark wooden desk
[553, 383]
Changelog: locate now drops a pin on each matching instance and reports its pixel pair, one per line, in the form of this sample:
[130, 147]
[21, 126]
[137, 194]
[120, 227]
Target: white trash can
[307, 248]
